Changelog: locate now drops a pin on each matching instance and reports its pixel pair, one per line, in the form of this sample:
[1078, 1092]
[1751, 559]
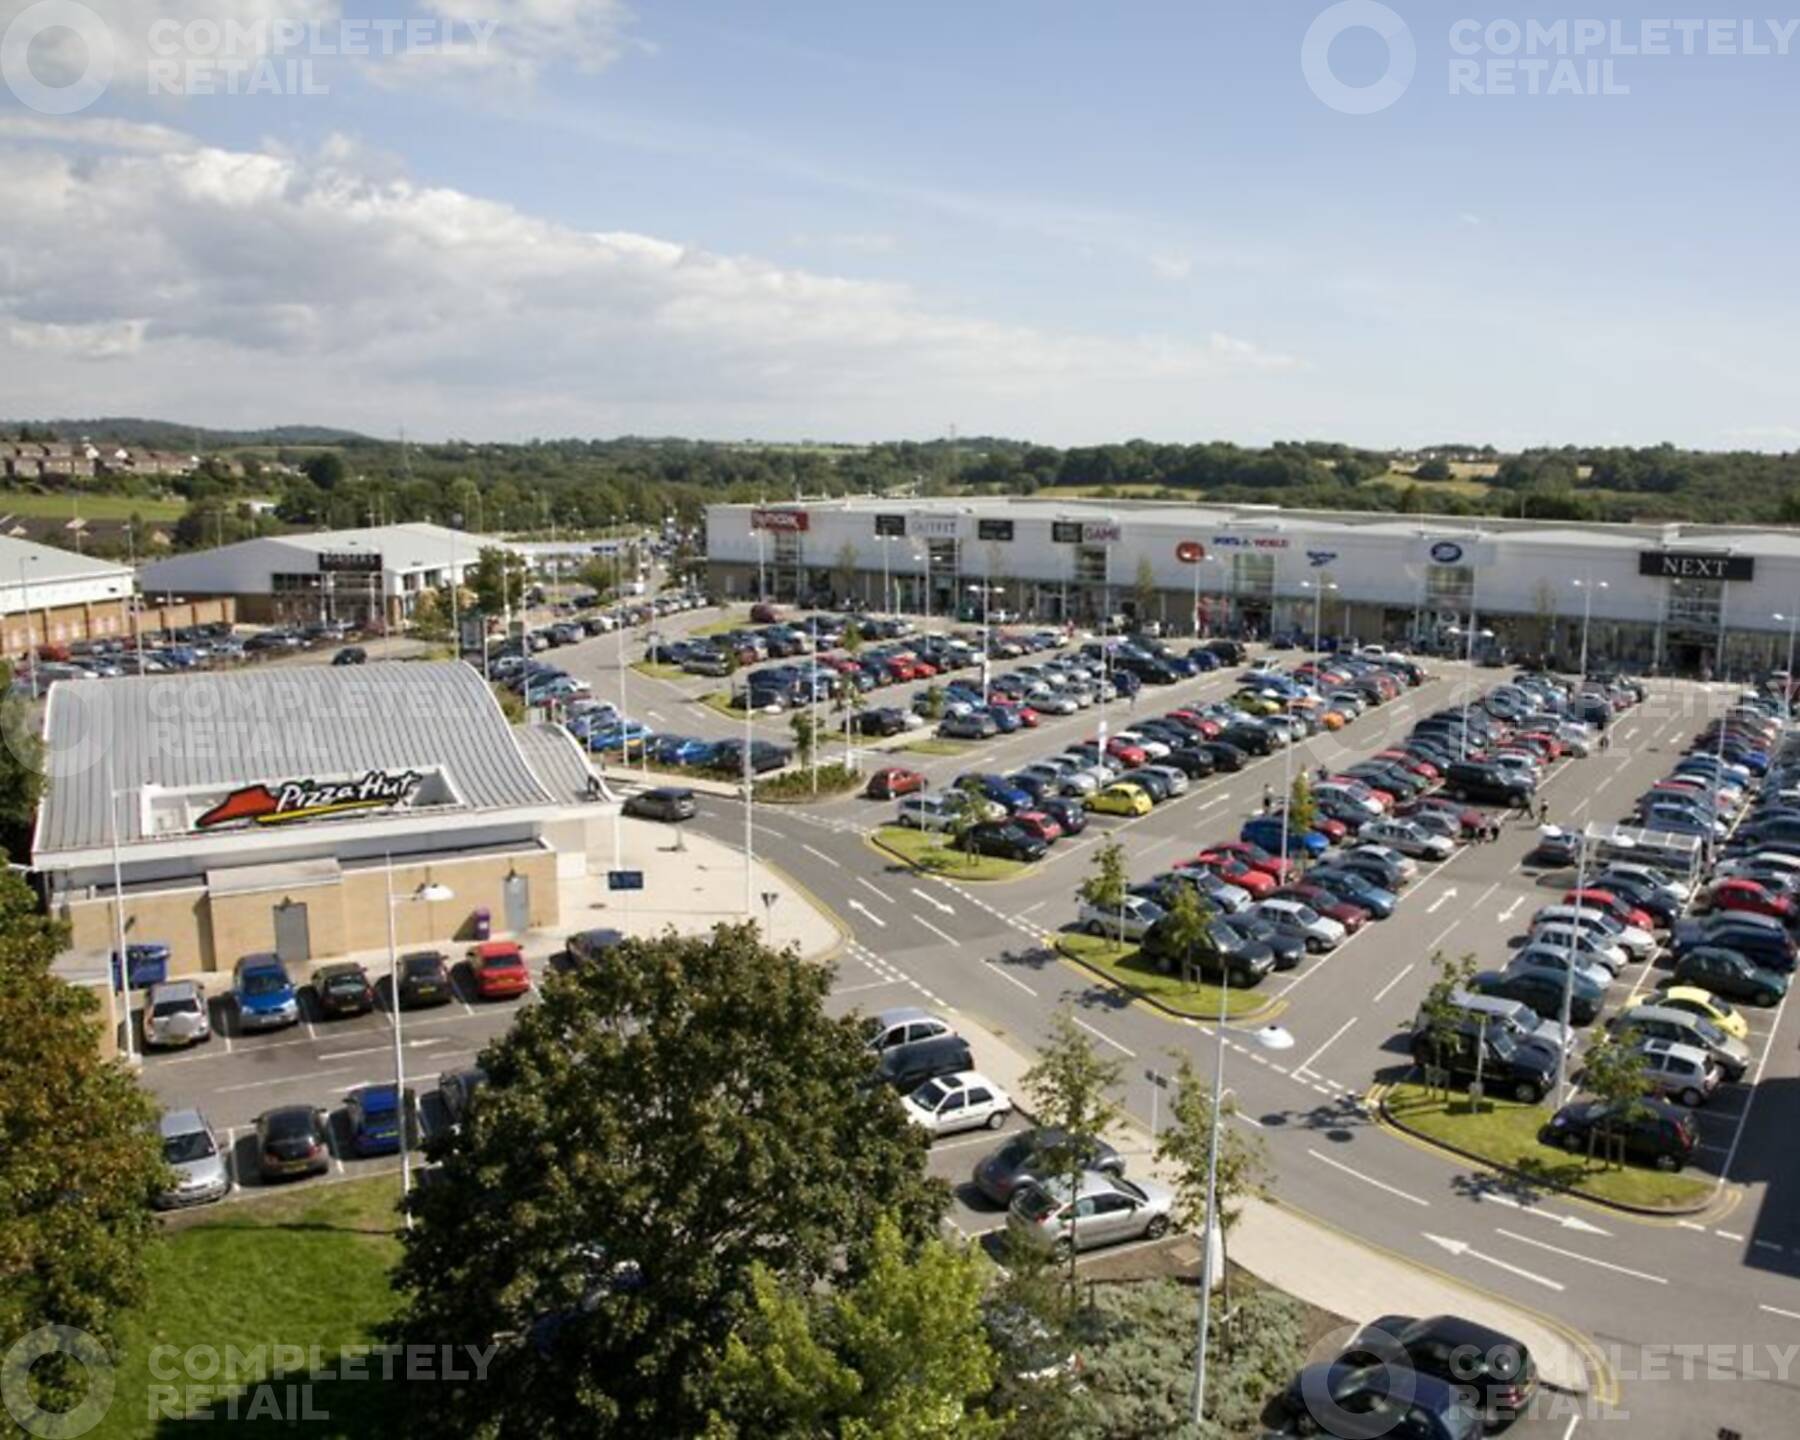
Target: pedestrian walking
[1268, 799]
[1605, 740]
[1543, 812]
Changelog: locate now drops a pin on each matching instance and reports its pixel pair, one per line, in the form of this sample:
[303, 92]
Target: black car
[590, 947]
[1525, 1074]
[666, 802]
[765, 756]
[1070, 814]
[1655, 1132]
[1232, 957]
[351, 655]
[456, 1088]
[343, 989]
[1350, 1402]
[1287, 944]
[425, 979]
[906, 1067]
[1029, 1155]
[1156, 786]
[1767, 945]
[1496, 1368]
[1731, 975]
[292, 1140]
[1191, 760]
[1248, 739]
[1488, 783]
[1226, 756]
[1540, 991]
[1003, 840]
[883, 721]
[1228, 651]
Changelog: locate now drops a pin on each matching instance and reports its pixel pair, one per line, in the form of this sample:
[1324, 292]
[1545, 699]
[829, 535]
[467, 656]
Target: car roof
[180, 1122]
[174, 990]
[901, 1014]
[1693, 1054]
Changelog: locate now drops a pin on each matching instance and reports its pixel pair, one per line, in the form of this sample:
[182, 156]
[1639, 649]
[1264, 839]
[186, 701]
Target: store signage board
[285, 802]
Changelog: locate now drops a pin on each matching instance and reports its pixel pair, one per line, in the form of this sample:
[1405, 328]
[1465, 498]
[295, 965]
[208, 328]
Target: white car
[1638, 944]
[1153, 748]
[175, 1014]
[1409, 838]
[1321, 931]
[1586, 945]
[1123, 922]
[1408, 868]
[1178, 780]
[964, 1101]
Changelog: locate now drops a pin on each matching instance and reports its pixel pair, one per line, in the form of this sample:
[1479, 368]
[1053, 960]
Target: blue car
[146, 962]
[681, 750]
[1007, 719]
[1001, 792]
[264, 995]
[1265, 831]
[1126, 683]
[1202, 659]
[372, 1116]
[628, 736]
[1352, 887]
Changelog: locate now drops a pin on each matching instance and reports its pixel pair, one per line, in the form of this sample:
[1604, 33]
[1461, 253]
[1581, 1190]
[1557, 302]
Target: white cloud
[1172, 267]
[515, 41]
[268, 285]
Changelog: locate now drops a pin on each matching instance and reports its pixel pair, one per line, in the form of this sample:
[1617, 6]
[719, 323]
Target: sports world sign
[286, 802]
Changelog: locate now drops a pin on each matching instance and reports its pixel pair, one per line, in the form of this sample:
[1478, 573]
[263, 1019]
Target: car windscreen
[185, 1149]
[264, 982]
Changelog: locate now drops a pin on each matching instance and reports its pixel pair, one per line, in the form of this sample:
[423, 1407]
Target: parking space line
[947, 939]
[1101, 1034]
[1776, 1310]
[1307, 1064]
[1382, 993]
[1006, 975]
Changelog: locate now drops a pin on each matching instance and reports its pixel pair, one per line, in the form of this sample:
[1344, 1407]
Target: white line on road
[867, 913]
[1511, 910]
[1568, 1222]
[1585, 1259]
[1443, 935]
[1307, 1063]
[764, 829]
[931, 899]
[1574, 1420]
[1007, 975]
[876, 890]
[820, 855]
[1366, 1179]
[1382, 993]
[1462, 1247]
[1775, 1310]
[948, 939]
[1449, 894]
[287, 1080]
[1102, 1035]
[866, 985]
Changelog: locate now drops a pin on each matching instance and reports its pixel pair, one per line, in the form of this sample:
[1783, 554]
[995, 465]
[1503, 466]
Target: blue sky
[1066, 221]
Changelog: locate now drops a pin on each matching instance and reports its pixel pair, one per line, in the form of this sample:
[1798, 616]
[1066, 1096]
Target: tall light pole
[1787, 687]
[925, 603]
[30, 642]
[1319, 588]
[124, 963]
[1587, 588]
[1462, 739]
[1270, 1037]
[1568, 995]
[431, 893]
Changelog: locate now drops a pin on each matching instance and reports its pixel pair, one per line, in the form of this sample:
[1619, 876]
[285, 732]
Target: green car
[1731, 975]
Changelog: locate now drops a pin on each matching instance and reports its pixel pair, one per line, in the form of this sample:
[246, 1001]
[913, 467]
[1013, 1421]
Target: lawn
[659, 672]
[933, 745]
[1120, 964]
[717, 627]
[927, 850]
[1505, 1134]
[720, 700]
[29, 505]
[308, 1268]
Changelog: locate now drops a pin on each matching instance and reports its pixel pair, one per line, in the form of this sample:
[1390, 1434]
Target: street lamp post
[1568, 995]
[1318, 590]
[1787, 687]
[430, 893]
[124, 963]
[30, 641]
[1587, 589]
[1270, 1037]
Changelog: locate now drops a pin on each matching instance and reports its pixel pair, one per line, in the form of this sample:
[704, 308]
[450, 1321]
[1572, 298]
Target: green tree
[1189, 926]
[806, 739]
[852, 641]
[1186, 1147]
[1069, 1088]
[1144, 591]
[1303, 813]
[1612, 1072]
[21, 767]
[684, 1113]
[1108, 882]
[79, 1159]
[326, 469]
[933, 708]
[968, 808]
[1443, 1017]
[499, 580]
[431, 615]
[901, 1354]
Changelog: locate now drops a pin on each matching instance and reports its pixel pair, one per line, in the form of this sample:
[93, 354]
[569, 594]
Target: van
[906, 1067]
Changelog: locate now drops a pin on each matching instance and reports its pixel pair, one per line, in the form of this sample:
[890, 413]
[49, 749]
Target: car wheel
[996, 1120]
[1763, 999]
[1096, 929]
[1570, 1141]
[1527, 1092]
[1691, 1097]
[1668, 1163]
[1157, 1228]
[1312, 945]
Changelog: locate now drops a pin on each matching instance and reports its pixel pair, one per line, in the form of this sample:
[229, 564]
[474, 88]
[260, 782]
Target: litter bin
[147, 963]
[484, 923]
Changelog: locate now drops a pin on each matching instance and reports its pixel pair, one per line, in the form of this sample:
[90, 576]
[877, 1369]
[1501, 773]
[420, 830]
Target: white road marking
[866, 985]
[947, 939]
[1574, 1420]
[867, 913]
[1568, 1222]
[1462, 1247]
[1368, 1180]
[820, 855]
[1449, 894]
[1775, 1310]
[383, 1049]
[1102, 1035]
[1585, 1259]
[1510, 910]
[287, 1080]
[1729, 1235]
[931, 899]
[1382, 993]
[1008, 976]
[1307, 1063]
[876, 890]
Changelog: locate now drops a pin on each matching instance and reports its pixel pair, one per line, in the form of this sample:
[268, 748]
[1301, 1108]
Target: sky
[1071, 223]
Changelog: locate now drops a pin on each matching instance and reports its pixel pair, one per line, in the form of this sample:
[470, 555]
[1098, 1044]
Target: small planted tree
[1189, 930]
[1613, 1073]
[1442, 1016]
[1303, 810]
[968, 807]
[934, 702]
[1144, 591]
[1108, 883]
[1070, 1088]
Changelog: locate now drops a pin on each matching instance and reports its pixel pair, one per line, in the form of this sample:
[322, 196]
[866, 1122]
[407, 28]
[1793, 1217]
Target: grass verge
[933, 745]
[796, 786]
[659, 672]
[1122, 965]
[1505, 1133]
[717, 627]
[928, 851]
[308, 1268]
[720, 700]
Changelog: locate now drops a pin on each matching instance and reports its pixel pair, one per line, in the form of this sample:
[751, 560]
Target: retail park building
[273, 808]
[1681, 597]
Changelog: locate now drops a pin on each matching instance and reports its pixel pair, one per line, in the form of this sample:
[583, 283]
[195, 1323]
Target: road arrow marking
[867, 913]
[1585, 1259]
[1462, 1247]
[1510, 910]
[1449, 894]
[933, 900]
[1568, 1222]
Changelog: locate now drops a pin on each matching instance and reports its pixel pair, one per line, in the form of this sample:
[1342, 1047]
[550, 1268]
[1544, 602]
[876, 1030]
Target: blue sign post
[624, 879]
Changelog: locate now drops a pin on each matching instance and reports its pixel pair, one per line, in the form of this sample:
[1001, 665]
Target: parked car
[1318, 932]
[1121, 798]
[1507, 1067]
[425, 979]
[903, 1025]
[1654, 1132]
[498, 968]
[343, 988]
[1360, 1402]
[1735, 976]
[263, 994]
[175, 1015]
[1654, 1022]
[1003, 839]
[1100, 1209]
[376, 1118]
[457, 1090]
[1030, 1156]
[1542, 990]
[1679, 1072]
[1128, 921]
[291, 1141]
[191, 1150]
[907, 1066]
[963, 1101]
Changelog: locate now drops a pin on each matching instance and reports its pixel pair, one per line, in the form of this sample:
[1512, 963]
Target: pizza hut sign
[288, 801]
[791, 522]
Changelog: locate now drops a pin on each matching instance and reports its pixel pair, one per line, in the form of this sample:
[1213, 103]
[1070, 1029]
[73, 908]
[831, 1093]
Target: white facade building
[1683, 597]
[50, 596]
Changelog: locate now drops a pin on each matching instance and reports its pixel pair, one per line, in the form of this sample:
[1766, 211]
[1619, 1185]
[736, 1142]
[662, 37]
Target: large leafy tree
[655, 1131]
[900, 1355]
[1071, 1088]
[498, 580]
[79, 1160]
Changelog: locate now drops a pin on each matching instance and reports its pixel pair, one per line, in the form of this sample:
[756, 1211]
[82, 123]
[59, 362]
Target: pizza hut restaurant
[262, 810]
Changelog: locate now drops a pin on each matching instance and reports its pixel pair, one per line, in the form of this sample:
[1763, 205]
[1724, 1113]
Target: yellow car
[1123, 798]
[1252, 704]
[1707, 1005]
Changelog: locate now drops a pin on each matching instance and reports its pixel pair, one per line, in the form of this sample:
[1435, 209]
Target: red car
[1553, 747]
[902, 669]
[894, 781]
[1127, 753]
[1200, 724]
[1257, 858]
[499, 970]
[1424, 769]
[1257, 882]
[1610, 904]
[1351, 917]
[1738, 893]
[924, 669]
[1038, 825]
[1333, 830]
[763, 614]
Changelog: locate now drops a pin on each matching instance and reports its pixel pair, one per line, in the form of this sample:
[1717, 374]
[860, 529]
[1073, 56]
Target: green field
[29, 505]
[1505, 1134]
[1121, 964]
[929, 851]
[308, 1268]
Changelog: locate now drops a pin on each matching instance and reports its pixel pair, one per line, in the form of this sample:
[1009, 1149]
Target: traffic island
[1121, 964]
[936, 745]
[658, 671]
[1504, 1135]
[930, 853]
[799, 785]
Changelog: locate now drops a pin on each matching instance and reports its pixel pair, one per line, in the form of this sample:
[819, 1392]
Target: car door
[953, 1113]
[1079, 1224]
[980, 1106]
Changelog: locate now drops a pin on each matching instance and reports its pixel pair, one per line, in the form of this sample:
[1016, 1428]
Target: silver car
[1102, 1210]
[175, 1014]
[192, 1151]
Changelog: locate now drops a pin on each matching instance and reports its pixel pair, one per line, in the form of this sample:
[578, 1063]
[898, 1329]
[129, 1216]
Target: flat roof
[44, 564]
[207, 731]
